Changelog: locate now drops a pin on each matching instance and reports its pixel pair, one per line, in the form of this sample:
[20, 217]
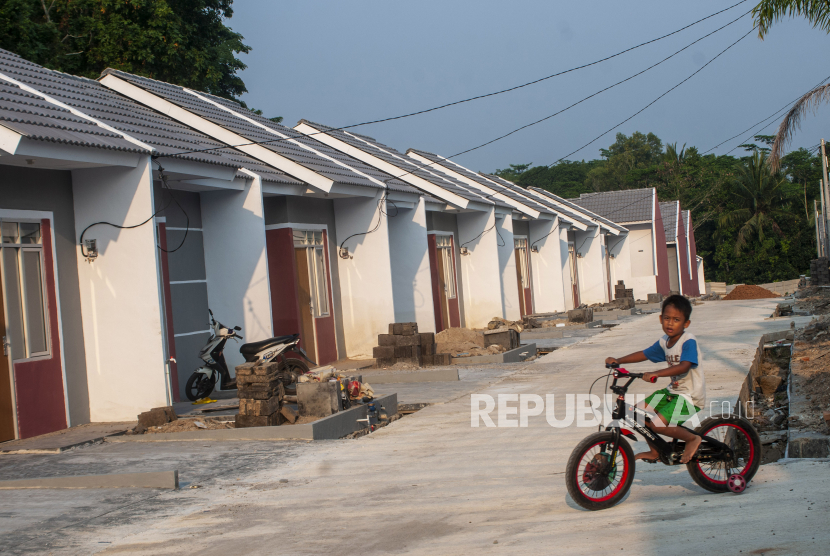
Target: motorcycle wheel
[292, 368]
[198, 386]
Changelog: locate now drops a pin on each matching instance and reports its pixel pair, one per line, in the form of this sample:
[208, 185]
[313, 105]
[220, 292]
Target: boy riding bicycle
[686, 394]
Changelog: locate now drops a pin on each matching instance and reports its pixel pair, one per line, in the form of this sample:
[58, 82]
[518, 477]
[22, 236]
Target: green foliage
[184, 42]
[512, 173]
[750, 226]
[816, 12]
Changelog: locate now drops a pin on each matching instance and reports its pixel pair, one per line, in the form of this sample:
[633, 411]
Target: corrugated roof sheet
[668, 211]
[622, 207]
[158, 131]
[583, 211]
[292, 149]
[407, 164]
[556, 209]
[478, 178]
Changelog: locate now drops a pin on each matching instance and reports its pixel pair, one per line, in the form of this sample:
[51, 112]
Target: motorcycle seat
[255, 347]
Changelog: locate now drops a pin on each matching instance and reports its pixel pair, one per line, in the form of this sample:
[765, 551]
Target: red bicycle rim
[748, 463]
[580, 469]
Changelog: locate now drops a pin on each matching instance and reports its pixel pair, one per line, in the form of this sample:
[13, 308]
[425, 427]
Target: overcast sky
[343, 62]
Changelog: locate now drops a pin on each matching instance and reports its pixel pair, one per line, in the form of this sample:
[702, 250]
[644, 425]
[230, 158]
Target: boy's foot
[648, 457]
[691, 449]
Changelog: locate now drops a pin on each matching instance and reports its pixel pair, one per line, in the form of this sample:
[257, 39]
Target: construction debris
[404, 344]
[498, 322]
[749, 292]
[261, 392]
[819, 272]
[156, 417]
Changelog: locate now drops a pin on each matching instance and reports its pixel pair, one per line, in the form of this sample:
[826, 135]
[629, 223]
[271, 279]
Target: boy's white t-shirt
[691, 384]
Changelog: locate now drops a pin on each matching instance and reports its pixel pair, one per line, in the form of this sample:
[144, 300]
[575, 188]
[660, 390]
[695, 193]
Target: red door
[523, 277]
[444, 281]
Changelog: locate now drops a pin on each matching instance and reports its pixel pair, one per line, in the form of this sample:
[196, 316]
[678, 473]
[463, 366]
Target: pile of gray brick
[404, 344]
[261, 392]
[819, 272]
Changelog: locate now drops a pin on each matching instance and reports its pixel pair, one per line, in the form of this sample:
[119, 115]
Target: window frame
[446, 246]
[314, 242]
[20, 248]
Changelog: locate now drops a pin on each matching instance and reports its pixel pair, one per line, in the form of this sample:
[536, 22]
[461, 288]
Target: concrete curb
[513, 356]
[328, 428]
[56, 450]
[383, 377]
[161, 479]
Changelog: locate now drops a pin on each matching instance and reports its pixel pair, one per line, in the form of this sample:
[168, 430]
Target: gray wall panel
[188, 200]
[51, 190]
[521, 228]
[187, 263]
[190, 308]
[187, 356]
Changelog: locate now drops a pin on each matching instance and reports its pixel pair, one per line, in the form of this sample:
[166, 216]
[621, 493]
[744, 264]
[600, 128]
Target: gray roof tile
[478, 178]
[291, 150]
[623, 207]
[407, 164]
[668, 211]
[571, 215]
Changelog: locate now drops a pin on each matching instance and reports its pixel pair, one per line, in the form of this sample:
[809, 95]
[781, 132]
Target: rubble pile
[814, 300]
[811, 374]
[262, 391]
[403, 344]
[750, 292]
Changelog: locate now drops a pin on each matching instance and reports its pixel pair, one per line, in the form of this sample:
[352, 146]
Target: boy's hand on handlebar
[611, 361]
[650, 377]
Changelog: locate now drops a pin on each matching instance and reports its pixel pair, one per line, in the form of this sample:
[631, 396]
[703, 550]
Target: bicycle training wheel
[594, 481]
[713, 472]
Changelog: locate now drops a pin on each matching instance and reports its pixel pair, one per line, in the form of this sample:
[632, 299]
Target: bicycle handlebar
[623, 372]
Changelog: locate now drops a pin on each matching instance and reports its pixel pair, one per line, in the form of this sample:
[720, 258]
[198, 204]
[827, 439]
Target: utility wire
[478, 97]
[593, 95]
[653, 101]
[786, 106]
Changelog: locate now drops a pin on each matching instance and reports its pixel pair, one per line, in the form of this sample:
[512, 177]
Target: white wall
[567, 287]
[236, 263]
[642, 277]
[480, 268]
[700, 277]
[510, 308]
[120, 293]
[549, 276]
[366, 278]
[411, 278]
[592, 285]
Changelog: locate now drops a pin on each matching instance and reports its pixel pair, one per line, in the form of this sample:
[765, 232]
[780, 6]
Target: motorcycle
[203, 380]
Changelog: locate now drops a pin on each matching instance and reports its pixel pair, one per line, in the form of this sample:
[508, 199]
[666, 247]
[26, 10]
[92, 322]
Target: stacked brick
[261, 396]
[819, 272]
[623, 297]
[404, 344]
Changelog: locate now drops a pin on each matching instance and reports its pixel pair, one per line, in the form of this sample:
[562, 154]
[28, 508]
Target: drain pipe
[167, 380]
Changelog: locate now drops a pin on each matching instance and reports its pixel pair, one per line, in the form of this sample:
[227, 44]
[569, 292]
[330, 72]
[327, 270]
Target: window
[444, 245]
[312, 242]
[520, 245]
[23, 284]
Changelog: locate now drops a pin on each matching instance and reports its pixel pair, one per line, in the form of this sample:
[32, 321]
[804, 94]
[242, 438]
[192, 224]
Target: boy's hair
[680, 303]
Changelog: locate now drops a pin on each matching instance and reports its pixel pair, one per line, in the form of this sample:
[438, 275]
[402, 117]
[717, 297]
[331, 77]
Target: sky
[344, 62]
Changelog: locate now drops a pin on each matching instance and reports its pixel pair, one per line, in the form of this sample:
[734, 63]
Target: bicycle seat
[255, 347]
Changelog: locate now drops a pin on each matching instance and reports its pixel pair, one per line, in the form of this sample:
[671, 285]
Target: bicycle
[601, 468]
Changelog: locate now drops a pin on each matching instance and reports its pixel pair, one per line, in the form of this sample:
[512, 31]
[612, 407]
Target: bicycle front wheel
[595, 480]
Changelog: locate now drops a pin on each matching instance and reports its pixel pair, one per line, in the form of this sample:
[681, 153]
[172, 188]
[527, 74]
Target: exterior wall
[700, 274]
[697, 281]
[236, 262]
[51, 190]
[120, 293]
[565, 263]
[317, 212]
[640, 255]
[683, 259]
[411, 278]
[674, 268]
[620, 263]
[480, 268]
[547, 272]
[366, 277]
[188, 282]
[593, 287]
[445, 222]
[510, 308]
[661, 254]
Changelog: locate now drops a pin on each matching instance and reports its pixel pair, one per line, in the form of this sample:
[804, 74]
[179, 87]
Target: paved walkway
[431, 484]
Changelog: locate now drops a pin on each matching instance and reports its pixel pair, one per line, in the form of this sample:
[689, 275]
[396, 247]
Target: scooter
[203, 380]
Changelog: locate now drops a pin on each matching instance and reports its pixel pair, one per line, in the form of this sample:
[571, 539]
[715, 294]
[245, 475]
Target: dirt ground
[815, 300]
[462, 342]
[181, 425]
[811, 364]
[750, 292]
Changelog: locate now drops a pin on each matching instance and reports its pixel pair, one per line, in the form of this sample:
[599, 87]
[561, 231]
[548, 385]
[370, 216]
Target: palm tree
[818, 13]
[761, 201]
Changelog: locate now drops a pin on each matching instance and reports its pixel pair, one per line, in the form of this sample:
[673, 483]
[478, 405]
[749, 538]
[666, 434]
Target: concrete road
[431, 484]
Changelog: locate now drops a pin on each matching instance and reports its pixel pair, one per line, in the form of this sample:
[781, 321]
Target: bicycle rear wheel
[713, 473]
[594, 481]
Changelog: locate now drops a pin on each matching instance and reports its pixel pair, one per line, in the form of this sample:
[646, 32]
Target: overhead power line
[477, 97]
[641, 110]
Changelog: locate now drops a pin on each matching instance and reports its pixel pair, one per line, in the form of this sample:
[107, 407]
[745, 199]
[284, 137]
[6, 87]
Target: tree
[512, 173]
[767, 12]
[185, 42]
[760, 199]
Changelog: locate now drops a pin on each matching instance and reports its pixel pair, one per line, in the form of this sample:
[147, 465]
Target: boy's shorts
[674, 408]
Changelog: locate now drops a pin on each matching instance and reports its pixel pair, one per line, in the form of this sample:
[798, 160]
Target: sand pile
[463, 342]
[181, 425]
[750, 292]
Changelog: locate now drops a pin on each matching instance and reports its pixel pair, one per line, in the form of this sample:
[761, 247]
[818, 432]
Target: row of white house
[186, 201]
